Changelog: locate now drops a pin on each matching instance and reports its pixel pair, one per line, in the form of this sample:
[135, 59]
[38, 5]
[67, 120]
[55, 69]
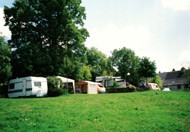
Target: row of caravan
[37, 86]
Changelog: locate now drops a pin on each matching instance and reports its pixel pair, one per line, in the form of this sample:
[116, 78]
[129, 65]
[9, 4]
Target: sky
[158, 29]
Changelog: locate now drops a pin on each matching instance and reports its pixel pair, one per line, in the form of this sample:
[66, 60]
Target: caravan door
[24, 87]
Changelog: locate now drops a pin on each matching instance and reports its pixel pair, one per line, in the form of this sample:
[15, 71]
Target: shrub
[115, 84]
[3, 91]
[55, 87]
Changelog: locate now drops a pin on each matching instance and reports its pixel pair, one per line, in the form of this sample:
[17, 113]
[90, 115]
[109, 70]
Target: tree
[156, 79]
[147, 68]
[5, 61]
[98, 63]
[43, 33]
[127, 64]
[75, 65]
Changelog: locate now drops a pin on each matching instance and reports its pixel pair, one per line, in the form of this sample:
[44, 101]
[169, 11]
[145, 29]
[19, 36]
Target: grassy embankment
[140, 111]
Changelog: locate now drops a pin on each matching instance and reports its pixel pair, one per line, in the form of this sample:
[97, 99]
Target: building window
[179, 86]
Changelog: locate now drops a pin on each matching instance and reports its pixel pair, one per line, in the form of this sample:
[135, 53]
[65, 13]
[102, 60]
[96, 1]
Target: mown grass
[140, 111]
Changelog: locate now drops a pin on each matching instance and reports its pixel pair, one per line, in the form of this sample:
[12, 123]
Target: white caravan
[28, 86]
[153, 86]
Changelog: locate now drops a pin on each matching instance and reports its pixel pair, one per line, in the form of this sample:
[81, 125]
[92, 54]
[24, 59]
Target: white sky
[159, 29]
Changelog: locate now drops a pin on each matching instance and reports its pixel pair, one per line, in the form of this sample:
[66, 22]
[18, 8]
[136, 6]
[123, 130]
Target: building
[175, 80]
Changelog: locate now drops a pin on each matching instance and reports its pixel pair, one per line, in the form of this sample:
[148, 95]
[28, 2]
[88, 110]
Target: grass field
[139, 111]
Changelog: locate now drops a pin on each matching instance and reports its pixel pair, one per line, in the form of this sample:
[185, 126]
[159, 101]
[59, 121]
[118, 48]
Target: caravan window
[12, 86]
[37, 84]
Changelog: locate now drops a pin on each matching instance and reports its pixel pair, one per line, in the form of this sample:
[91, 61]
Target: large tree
[127, 64]
[5, 61]
[75, 65]
[147, 68]
[44, 32]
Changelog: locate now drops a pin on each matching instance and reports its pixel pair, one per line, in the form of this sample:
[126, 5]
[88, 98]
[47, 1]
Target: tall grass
[140, 111]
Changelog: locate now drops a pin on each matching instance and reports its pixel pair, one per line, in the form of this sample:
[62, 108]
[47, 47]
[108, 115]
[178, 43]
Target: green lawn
[139, 111]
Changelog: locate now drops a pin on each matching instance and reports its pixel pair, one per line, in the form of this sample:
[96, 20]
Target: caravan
[153, 86]
[28, 86]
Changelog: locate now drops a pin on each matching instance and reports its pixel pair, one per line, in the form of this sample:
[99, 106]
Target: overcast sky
[159, 29]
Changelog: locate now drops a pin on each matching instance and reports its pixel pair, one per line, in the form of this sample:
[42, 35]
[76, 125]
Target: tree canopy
[147, 68]
[43, 32]
[5, 61]
[98, 62]
[127, 64]
[48, 40]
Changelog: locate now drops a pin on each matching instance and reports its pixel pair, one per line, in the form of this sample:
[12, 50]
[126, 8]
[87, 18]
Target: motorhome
[28, 86]
[109, 81]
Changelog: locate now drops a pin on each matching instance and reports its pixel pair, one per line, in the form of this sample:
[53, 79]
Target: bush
[3, 91]
[55, 87]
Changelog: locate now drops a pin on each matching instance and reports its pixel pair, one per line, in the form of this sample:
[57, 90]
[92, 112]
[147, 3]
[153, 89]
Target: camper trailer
[108, 81]
[28, 86]
[153, 86]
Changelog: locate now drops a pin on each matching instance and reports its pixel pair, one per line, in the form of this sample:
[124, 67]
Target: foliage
[139, 111]
[126, 63]
[43, 33]
[76, 66]
[156, 79]
[55, 86]
[115, 84]
[3, 91]
[5, 61]
[99, 63]
[48, 39]
[86, 74]
[147, 68]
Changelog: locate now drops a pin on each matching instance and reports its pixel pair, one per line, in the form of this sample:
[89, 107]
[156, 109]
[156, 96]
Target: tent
[69, 83]
[166, 89]
[88, 87]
